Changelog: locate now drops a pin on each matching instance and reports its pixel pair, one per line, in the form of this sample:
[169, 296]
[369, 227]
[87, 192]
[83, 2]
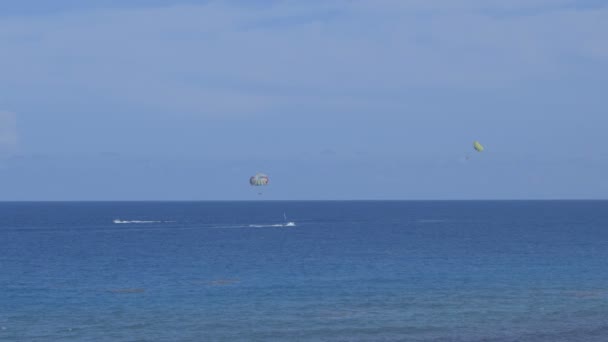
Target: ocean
[347, 271]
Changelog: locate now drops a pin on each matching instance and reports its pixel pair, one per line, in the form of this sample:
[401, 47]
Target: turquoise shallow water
[348, 271]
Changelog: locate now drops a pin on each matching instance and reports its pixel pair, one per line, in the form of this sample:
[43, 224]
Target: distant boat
[288, 224]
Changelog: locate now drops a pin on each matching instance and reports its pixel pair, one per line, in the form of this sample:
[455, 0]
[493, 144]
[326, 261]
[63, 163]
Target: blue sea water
[348, 271]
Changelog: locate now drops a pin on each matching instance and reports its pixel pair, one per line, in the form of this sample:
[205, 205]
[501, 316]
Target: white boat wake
[288, 224]
[134, 222]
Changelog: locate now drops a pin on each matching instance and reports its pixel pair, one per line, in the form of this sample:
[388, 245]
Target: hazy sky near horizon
[334, 99]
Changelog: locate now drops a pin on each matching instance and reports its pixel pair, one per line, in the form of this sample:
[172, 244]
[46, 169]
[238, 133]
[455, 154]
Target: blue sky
[333, 99]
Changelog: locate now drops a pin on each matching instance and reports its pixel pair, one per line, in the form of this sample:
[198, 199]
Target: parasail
[259, 179]
[477, 146]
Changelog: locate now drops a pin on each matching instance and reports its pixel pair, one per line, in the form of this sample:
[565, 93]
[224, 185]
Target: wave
[288, 224]
[136, 221]
[265, 225]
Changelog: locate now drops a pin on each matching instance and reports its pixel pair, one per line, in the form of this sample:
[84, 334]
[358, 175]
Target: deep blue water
[349, 271]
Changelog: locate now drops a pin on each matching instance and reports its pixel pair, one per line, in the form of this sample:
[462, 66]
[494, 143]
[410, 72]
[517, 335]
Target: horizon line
[310, 200]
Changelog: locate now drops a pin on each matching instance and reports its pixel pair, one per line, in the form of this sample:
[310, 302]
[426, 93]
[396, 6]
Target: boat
[288, 224]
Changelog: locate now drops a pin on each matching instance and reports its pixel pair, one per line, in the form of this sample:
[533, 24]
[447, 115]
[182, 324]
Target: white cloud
[222, 59]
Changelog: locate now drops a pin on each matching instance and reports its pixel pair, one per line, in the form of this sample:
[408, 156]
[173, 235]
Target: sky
[333, 99]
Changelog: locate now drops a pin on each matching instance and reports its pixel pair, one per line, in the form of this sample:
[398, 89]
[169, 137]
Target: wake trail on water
[117, 221]
[227, 226]
[269, 225]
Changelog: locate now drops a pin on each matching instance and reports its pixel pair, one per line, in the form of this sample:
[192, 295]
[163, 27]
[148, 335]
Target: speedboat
[288, 224]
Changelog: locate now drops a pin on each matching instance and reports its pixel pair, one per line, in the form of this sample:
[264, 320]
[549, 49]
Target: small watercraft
[288, 224]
